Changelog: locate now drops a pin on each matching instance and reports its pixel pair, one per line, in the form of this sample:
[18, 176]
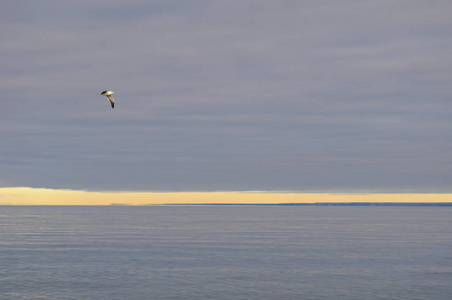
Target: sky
[256, 95]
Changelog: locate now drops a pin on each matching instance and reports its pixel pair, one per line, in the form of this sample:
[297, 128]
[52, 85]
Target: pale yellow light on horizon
[33, 196]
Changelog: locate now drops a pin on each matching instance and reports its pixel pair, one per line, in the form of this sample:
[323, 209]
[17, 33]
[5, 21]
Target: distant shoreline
[318, 204]
[412, 204]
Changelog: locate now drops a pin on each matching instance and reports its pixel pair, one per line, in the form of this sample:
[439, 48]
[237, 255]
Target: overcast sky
[287, 95]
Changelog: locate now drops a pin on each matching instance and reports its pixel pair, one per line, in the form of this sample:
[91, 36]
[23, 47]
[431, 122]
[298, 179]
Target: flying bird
[110, 97]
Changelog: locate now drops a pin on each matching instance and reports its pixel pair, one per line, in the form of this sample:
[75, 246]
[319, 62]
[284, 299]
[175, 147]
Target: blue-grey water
[230, 252]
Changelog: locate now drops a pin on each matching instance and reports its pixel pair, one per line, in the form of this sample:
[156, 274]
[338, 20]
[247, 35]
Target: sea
[225, 252]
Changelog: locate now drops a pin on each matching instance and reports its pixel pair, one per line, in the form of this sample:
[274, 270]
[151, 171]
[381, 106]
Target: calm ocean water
[231, 252]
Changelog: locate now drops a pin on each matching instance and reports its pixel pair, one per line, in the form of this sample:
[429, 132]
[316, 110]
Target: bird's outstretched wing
[112, 101]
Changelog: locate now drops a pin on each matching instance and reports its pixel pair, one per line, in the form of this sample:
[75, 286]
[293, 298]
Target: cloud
[260, 95]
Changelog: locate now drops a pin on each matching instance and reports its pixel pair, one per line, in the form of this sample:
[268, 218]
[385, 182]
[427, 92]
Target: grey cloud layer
[229, 95]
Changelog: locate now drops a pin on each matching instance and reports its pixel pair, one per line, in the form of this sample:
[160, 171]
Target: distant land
[320, 204]
[424, 204]
[42, 196]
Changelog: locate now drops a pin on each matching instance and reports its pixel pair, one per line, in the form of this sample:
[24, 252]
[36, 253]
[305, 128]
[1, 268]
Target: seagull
[110, 97]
